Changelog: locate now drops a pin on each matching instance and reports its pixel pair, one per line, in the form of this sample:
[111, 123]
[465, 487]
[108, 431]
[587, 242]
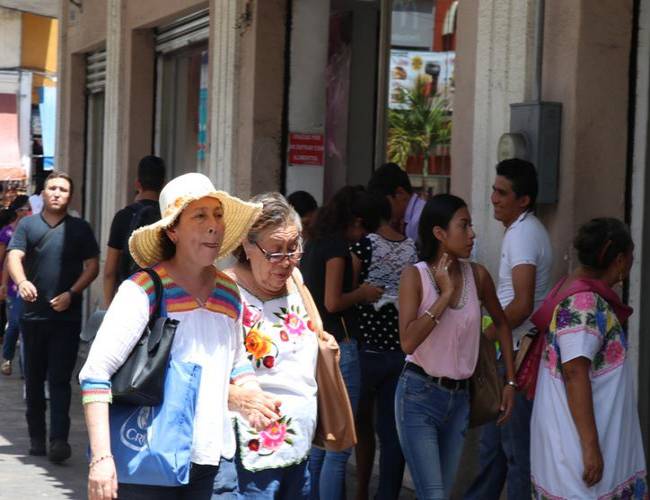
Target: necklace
[463, 297]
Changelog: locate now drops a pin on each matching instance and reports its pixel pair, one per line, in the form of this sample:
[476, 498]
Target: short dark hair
[600, 241]
[387, 178]
[438, 211]
[151, 173]
[19, 202]
[302, 202]
[522, 175]
[57, 174]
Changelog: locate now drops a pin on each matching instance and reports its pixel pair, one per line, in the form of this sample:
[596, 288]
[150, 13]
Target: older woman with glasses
[283, 349]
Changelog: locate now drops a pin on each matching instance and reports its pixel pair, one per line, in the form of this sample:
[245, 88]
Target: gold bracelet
[433, 317]
[97, 460]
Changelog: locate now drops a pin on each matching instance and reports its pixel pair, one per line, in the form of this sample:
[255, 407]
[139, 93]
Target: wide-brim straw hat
[145, 244]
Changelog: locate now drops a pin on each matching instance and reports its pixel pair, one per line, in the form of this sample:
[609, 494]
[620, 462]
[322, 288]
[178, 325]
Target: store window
[181, 94]
[418, 103]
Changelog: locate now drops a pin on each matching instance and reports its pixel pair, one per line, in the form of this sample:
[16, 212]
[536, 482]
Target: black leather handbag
[140, 380]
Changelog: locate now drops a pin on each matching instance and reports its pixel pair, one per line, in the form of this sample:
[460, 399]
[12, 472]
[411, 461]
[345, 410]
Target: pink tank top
[451, 349]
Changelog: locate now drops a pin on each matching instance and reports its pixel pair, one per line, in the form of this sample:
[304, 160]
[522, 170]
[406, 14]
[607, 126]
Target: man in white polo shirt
[524, 281]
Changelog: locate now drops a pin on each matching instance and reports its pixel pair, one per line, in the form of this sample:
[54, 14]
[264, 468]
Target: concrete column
[63, 89]
[504, 38]
[115, 116]
[224, 53]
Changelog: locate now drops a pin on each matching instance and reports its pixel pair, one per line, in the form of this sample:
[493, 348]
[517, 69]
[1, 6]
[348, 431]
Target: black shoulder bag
[141, 379]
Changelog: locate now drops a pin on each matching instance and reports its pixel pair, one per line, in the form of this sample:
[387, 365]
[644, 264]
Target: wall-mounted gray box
[541, 124]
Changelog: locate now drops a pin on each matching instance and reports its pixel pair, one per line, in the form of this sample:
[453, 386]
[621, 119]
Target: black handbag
[140, 380]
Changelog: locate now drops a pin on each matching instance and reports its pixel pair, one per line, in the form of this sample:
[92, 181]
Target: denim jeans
[14, 312]
[504, 455]
[281, 482]
[380, 372]
[225, 485]
[327, 465]
[431, 424]
[50, 352]
[199, 487]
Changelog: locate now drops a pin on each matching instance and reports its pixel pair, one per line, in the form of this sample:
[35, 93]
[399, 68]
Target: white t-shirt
[526, 242]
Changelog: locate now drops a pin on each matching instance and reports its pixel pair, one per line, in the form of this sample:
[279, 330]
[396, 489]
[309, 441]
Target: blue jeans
[431, 424]
[225, 482]
[504, 453]
[269, 484]
[199, 487]
[380, 372]
[14, 312]
[329, 465]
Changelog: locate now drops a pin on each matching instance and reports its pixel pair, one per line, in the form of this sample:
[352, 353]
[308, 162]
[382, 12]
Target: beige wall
[261, 92]
[586, 57]
[463, 120]
[593, 39]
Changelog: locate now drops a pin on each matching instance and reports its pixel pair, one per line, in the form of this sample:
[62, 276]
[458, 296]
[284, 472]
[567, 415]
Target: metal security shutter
[183, 32]
[96, 71]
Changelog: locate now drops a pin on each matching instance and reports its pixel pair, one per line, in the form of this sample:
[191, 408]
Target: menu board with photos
[434, 69]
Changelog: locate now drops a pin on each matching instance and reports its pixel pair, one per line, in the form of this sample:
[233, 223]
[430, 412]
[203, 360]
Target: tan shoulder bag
[486, 384]
[335, 430]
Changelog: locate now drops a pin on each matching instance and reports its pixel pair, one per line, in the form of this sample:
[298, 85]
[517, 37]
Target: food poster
[434, 69]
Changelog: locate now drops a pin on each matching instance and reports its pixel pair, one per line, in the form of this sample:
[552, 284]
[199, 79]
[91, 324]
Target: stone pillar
[502, 77]
[224, 53]
[115, 116]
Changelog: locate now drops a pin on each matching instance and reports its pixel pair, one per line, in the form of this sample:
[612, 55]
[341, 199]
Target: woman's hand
[370, 293]
[592, 459]
[260, 408]
[507, 404]
[441, 275]
[102, 480]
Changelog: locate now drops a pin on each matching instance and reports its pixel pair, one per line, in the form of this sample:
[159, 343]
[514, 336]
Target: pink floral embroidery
[272, 438]
[293, 320]
[294, 324]
[614, 353]
[250, 316]
[584, 302]
[552, 358]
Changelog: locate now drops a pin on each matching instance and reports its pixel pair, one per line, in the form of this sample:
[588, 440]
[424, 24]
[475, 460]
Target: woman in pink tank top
[440, 302]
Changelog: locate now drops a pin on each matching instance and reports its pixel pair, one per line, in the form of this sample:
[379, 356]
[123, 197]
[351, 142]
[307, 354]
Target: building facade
[296, 94]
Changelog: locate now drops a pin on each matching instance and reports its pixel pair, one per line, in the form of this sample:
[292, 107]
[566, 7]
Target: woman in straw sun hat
[199, 225]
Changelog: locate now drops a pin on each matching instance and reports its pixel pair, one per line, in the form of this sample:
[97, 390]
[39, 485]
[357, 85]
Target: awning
[11, 167]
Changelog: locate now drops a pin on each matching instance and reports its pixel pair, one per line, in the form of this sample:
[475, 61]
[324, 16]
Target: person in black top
[52, 258]
[327, 270]
[119, 265]
[379, 259]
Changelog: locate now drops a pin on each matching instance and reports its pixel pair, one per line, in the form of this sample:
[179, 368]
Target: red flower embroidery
[253, 445]
[284, 336]
[269, 361]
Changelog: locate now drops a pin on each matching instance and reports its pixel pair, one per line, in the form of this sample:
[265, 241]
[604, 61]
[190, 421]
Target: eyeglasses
[279, 257]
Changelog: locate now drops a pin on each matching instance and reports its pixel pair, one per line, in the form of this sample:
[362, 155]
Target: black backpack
[143, 215]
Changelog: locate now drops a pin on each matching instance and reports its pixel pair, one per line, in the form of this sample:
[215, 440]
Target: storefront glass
[182, 109]
[419, 94]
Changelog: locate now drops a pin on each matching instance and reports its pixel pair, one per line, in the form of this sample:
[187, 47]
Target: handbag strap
[159, 309]
[308, 301]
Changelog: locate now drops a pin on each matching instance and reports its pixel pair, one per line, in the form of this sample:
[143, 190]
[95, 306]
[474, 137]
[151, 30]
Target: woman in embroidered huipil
[585, 436]
[199, 224]
[282, 348]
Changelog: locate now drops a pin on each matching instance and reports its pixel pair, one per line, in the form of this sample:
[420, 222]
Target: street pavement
[25, 477]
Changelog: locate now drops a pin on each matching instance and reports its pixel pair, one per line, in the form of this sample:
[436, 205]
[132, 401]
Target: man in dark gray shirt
[52, 258]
